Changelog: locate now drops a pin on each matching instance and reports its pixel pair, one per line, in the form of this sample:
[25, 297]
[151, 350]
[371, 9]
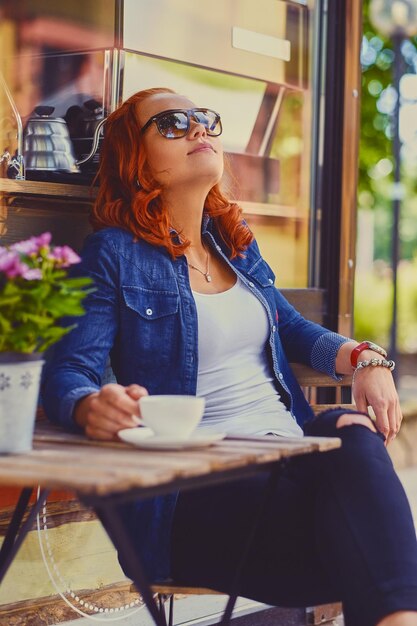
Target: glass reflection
[53, 54]
[267, 146]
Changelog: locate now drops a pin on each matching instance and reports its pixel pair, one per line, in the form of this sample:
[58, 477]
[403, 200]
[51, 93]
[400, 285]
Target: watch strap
[365, 345]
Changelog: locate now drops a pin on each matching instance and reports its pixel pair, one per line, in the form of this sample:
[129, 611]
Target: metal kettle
[46, 143]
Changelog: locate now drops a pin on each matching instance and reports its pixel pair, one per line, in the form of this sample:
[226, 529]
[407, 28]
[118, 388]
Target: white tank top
[234, 375]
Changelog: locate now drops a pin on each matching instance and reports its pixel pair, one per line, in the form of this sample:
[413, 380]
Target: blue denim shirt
[143, 314]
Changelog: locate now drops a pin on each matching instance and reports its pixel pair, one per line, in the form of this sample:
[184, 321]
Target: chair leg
[161, 599]
[171, 611]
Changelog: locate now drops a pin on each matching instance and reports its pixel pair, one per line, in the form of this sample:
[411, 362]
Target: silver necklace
[206, 274]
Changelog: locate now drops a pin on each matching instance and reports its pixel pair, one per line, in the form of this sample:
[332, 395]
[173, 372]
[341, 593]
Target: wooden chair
[311, 303]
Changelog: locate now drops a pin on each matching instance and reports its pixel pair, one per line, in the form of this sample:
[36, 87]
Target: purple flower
[32, 274]
[43, 240]
[11, 265]
[65, 256]
[32, 245]
[25, 247]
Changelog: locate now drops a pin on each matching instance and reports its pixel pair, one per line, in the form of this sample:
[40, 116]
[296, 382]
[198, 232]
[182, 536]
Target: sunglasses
[175, 123]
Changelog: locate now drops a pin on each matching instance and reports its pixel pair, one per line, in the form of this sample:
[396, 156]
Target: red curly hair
[121, 202]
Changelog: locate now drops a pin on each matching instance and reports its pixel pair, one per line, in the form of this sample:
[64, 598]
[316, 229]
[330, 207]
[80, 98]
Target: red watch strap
[365, 345]
[354, 355]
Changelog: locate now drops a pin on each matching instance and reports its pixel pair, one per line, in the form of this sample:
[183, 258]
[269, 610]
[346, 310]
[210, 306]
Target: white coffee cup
[171, 416]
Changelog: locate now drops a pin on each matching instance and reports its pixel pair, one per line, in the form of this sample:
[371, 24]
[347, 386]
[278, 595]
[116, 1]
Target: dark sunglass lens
[173, 125]
[210, 120]
[215, 127]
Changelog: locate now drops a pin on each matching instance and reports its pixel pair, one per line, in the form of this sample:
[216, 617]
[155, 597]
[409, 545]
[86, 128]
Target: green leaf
[5, 324]
[11, 288]
[58, 306]
[38, 320]
[41, 291]
[56, 333]
[76, 283]
[9, 300]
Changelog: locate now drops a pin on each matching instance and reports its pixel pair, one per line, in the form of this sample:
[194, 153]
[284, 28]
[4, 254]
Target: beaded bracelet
[373, 363]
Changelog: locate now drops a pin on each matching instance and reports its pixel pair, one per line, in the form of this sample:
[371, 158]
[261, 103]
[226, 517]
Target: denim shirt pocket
[149, 304]
[150, 319]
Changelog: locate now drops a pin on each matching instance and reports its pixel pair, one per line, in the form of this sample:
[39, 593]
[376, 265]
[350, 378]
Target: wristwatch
[365, 345]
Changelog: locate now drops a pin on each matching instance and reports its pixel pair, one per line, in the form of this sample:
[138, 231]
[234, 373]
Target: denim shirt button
[274, 328]
[251, 284]
[218, 248]
[280, 376]
[149, 311]
[271, 282]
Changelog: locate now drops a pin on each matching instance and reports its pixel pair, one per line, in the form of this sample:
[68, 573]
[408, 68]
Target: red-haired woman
[185, 304]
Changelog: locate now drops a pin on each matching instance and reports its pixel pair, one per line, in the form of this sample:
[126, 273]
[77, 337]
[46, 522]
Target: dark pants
[338, 527]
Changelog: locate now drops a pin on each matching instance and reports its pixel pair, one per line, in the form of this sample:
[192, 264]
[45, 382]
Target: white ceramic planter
[19, 390]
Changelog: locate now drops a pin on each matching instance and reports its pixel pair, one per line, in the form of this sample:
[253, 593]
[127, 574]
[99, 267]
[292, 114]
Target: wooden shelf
[86, 192]
[46, 188]
[273, 210]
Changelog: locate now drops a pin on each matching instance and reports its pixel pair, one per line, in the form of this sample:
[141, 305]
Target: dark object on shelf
[83, 123]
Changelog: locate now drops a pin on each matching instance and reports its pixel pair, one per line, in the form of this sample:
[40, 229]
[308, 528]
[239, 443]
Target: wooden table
[105, 474]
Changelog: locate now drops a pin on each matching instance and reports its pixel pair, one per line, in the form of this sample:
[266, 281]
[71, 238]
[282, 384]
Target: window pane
[53, 53]
[264, 102]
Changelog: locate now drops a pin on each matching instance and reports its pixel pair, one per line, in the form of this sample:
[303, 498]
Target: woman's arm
[373, 386]
[310, 343]
[71, 392]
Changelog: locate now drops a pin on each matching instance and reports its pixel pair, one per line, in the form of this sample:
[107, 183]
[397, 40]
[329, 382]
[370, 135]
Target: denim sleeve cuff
[68, 404]
[323, 354]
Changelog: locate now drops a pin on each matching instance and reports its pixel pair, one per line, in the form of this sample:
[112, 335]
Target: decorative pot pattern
[19, 391]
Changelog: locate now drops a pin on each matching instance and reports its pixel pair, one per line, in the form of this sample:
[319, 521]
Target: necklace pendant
[208, 277]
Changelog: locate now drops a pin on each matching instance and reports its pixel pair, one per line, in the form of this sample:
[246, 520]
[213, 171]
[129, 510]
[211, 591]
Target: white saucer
[144, 438]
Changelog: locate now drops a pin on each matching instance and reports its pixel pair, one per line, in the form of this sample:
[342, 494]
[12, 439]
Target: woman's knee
[350, 419]
[338, 422]
[325, 424]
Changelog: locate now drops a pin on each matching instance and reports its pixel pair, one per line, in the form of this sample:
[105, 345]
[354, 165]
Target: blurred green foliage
[373, 298]
[375, 153]
[373, 289]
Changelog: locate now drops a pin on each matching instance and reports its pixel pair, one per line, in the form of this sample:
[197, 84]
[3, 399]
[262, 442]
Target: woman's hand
[104, 413]
[374, 386]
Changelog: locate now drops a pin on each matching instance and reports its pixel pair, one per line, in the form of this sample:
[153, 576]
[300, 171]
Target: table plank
[32, 470]
[46, 431]
[320, 444]
[60, 459]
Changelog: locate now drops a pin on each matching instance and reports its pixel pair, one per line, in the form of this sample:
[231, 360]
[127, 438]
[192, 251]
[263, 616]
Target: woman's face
[195, 159]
